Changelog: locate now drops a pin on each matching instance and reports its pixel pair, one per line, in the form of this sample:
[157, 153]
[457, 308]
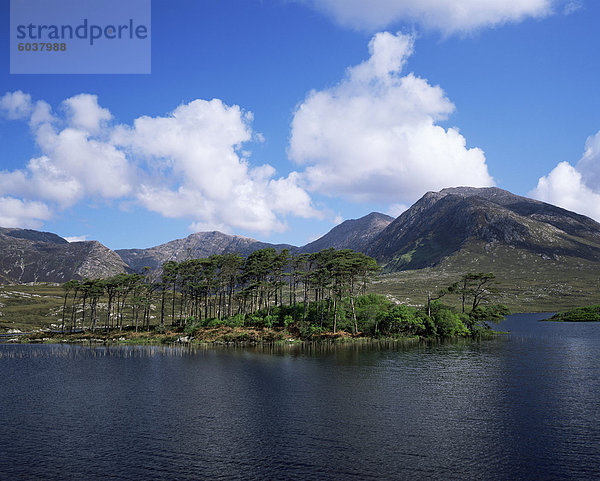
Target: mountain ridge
[439, 223]
[25, 260]
[355, 234]
[196, 245]
[453, 223]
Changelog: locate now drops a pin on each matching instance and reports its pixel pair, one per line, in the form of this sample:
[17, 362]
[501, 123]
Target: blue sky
[276, 119]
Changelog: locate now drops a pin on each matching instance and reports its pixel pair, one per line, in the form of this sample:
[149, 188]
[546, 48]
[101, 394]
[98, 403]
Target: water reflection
[516, 407]
[74, 351]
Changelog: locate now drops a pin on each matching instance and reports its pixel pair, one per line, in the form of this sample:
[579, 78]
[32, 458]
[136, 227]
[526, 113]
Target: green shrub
[235, 321]
[449, 324]
[288, 321]
[402, 319]
[581, 314]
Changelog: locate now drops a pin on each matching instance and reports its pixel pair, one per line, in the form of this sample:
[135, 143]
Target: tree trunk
[162, 308]
[64, 312]
[354, 314]
[334, 314]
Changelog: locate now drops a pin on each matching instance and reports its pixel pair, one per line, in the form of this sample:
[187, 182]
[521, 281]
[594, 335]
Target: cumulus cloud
[374, 136]
[76, 238]
[575, 188]
[447, 16]
[85, 114]
[589, 164]
[42, 179]
[187, 164]
[76, 162]
[395, 210]
[203, 174]
[99, 168]
[41, 113]
[16, 105]
[22, 213]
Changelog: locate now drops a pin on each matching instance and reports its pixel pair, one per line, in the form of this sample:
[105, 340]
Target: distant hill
[32, 235]
[31, 256]
[442, 224]
[200, 244]
[452, 231]
[355, 234]
[350, 234]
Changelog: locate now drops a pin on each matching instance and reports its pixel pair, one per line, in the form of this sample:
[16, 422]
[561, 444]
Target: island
[580, 314]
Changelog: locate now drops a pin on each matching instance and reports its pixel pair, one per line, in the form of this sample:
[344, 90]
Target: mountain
[32, 256]
[32, 235]
[455, 220]
[351, 234]
[356, 234]
[455, 230]
[200, 244]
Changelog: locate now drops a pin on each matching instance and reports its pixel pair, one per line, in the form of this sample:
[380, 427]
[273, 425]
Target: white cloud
[574, 188]
[76, 238]
[20, 213]
[589, 164]
[373, 137]
[16, 105]
[76, 161]
[84, 113]
[204, 175]
[42, 113]
[572, 7]
[395, 210]
[42, 179]
[100, 168]
[447, 16]
[187, 164]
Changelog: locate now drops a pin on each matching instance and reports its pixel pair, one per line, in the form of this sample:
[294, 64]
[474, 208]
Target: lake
[525, 406]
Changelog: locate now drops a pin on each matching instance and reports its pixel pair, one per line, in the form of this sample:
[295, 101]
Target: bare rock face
[32, 235]
[439, 225]
[98, 261]
[355, 234]
[198, 245]
[31, 256]
[442, 223]
[351, 234]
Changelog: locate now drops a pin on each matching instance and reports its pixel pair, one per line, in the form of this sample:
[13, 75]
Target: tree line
[220, 287]
[305, 294]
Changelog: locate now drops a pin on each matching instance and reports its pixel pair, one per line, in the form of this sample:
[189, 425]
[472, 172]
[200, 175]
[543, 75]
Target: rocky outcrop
[29, 257]
[442, 223]
[200, 244]
[355, 234]
[454, 221]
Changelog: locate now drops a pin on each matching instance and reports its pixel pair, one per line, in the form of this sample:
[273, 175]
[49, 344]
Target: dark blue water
[523, 407]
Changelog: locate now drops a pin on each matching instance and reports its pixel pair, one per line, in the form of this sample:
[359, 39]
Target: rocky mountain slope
[200, 244]
[31, 256]
[443, 223]
[456, 229]
[351, 234]
[355, 234]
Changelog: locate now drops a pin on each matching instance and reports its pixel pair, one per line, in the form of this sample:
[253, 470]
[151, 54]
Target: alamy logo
[80, 36]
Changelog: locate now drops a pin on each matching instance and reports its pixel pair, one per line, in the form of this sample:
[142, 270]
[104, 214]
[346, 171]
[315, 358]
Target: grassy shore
[177, 336]
[38, 308]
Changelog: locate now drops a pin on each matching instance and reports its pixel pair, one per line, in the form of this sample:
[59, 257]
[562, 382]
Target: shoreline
[224, 337]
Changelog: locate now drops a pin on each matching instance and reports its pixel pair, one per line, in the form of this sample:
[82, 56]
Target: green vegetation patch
[581, 314]
[28, 307]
